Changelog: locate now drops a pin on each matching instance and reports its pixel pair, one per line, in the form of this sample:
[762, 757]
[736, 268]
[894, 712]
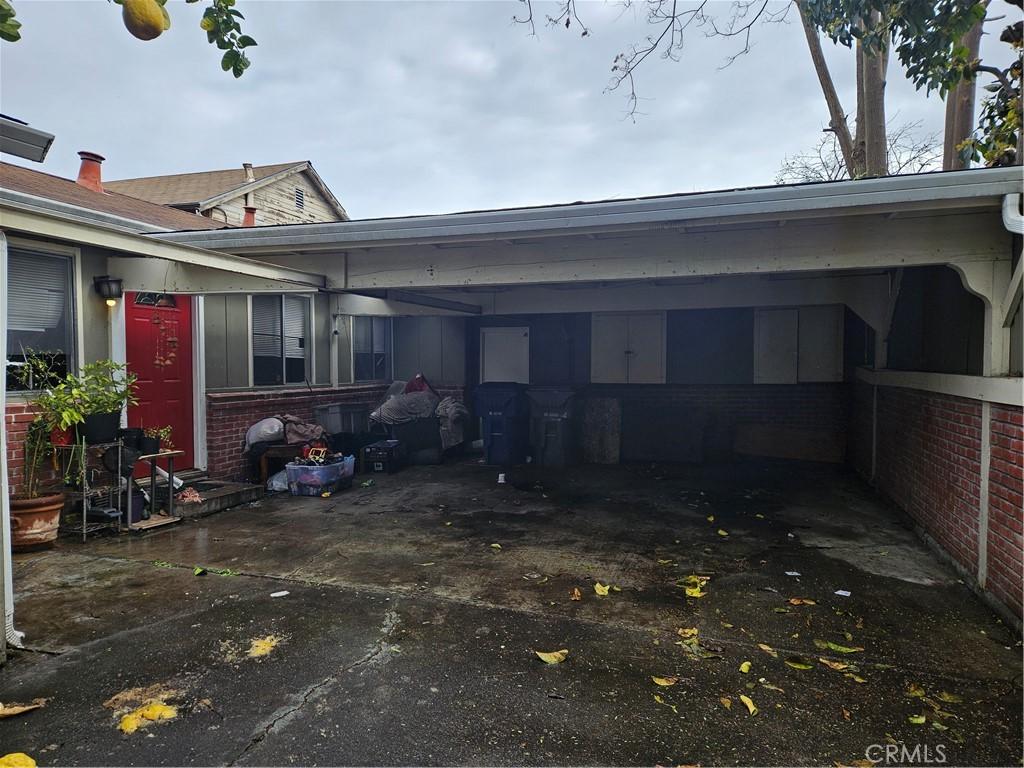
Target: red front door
[158, 336]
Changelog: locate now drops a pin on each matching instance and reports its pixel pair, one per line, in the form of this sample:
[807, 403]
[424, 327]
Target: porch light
[109, 288]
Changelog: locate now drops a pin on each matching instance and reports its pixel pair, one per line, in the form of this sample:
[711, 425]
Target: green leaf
[246, 42]
[229, 60]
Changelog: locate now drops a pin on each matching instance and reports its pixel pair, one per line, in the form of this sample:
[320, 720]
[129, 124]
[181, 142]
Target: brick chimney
[250, 216]
[89, 175]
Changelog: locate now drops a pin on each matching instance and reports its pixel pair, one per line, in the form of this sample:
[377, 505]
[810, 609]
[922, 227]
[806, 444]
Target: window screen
[40, 310]
[371, 348]
[280, 325]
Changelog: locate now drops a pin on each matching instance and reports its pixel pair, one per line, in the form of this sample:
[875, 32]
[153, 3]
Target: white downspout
[1013, 220]
[14, 637]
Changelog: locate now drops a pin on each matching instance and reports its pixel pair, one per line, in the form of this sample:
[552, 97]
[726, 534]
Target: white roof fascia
[83, 231]
[981, 187]
[251, 186]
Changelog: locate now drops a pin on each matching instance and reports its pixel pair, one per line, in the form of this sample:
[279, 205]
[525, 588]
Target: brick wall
[17, 417]
[929, 462]
[1006, 507]
[230, 414]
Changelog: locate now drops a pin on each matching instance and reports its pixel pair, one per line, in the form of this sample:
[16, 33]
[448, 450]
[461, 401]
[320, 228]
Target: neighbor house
[260, 195]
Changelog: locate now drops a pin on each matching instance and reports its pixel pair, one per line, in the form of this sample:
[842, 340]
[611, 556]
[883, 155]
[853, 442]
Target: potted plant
[35, 510]
[155, 438]
[104, 388]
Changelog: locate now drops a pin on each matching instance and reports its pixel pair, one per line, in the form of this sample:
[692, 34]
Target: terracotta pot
[34, 522]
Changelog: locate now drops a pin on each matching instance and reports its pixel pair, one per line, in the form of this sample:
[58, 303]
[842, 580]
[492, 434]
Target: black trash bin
[505, 412]
[554, 426]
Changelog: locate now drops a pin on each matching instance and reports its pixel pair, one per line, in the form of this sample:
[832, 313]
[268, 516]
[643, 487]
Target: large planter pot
[131, 436]
[100, 427]
[149, 445]
[34, 522]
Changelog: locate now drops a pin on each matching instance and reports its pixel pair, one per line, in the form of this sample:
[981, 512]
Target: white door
[505, 354]
[646, 351]
[609, 340]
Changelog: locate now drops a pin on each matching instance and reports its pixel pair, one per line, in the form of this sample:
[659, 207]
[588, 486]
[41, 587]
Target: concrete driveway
[414, 608]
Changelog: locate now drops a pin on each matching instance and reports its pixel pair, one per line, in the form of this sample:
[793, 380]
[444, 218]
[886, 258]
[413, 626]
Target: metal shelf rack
[89, 491]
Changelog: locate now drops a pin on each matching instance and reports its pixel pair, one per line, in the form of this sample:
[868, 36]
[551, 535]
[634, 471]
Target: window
[40, 311]
[371, 348]
[280, 332]
[300, 198]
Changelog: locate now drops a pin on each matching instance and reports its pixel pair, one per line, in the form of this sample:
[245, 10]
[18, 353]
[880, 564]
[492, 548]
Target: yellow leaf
[694, 592]
[768, 649]
[661, 701]
[553, 657]
[950, 698]
[745, 667]
[695, 581]
[838, 666]
[751, 708]
[495, 546]
[842, 648]
[771, 687]
[665, 562]
[665, 682]
[855, 678]
[939, 726]
[616, 588]
[759, 516]
[576, 595]
[796, 662]
[722, 532]
[600, 588]
[17, 760]
[686, 632]
[801, 601]
[726, 702]
[727, 625]
[914, 691]
[10, 710]
[711, 518]
[917, 719]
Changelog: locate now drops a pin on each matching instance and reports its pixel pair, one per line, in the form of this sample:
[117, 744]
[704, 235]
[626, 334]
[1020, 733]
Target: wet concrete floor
[415, 606]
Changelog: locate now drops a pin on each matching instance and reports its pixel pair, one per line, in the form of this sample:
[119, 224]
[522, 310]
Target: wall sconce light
[109, 288]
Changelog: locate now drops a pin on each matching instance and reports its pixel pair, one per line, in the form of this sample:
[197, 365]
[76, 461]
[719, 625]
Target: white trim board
[1003, 390]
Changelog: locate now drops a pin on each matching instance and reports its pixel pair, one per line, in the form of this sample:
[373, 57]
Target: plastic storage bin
[554, 426]
[317, 480]
[505, 412]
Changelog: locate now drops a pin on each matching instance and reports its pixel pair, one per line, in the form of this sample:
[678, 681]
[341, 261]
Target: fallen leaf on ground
[495, 546]
[553, 657]
[726, 702]
[727, 625]
[781, 610]
[846, 713]
[797, 662]
[950, 698]
[10, 710]
[939, 726]
[917, 719]
[838, 666]
[771, 687]
[749, 704]
[17, 760]
[665, 562]
[600, 588]
[842, 648]
[722, 532]
[576, 595]
[687, 632]
[820, 644]
[801, 601]
[664, 703]
[664, 682]
[855, 678]
[745, 667]
[768, 649]
[711, 518]
[425, 564]
[914, 691]
[262, 646]
[695, 592]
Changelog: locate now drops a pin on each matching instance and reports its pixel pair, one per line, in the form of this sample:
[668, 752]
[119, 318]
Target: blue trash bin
[505, 412]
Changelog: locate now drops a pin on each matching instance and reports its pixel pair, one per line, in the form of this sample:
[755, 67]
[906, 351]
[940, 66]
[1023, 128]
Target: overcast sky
[424, 107]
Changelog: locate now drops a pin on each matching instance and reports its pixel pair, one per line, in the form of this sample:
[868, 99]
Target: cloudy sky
[424, 107]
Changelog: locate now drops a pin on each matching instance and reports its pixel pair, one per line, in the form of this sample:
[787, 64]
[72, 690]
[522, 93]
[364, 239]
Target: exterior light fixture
[109, 288]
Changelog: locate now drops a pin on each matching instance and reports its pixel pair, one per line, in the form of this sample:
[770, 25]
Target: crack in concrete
[377, 653]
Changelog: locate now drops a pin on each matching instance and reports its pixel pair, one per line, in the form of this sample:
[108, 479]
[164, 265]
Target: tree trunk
[960, 107]
[858, 168]
[837, 117]
[875, 65]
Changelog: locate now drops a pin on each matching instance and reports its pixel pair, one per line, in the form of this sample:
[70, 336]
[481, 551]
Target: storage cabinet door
[821, 343]
[775, 346]
[646, 351]
[609, 340]
[505, 354]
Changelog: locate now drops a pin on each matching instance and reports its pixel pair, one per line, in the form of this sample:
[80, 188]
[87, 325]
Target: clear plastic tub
[315, 481]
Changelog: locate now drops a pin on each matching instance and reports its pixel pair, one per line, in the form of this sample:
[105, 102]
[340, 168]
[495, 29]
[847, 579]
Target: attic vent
[300, 198]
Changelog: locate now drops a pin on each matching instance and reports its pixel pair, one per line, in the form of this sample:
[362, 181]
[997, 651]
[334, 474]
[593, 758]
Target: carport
[874, 322]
